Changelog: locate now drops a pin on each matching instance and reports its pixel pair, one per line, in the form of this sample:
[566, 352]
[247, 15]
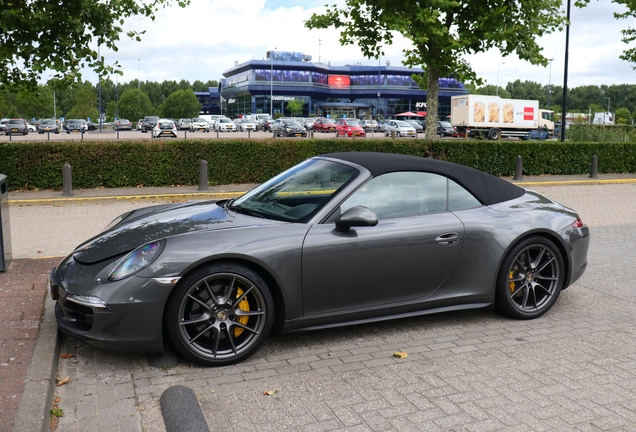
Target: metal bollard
[594, 167]
[82, 135]
[392, 134]
[519, 169]
[67, 181]
[203, 175]
[185, 134]
[217, 133]
[312, 134]
[248, 133]
[117, 133]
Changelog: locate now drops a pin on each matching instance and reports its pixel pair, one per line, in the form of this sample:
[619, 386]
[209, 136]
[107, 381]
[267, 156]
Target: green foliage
[295, 106]
[623, 116]
[134, 104]
[38, 165]
[181, 104]
[583, 132]
[38, 36]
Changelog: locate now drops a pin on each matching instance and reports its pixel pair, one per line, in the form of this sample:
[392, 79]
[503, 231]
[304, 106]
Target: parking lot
[573, 369]
[138, 135]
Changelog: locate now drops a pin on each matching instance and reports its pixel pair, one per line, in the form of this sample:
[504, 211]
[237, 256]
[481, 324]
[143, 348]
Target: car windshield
[298, 193]
[46, 122]
[402, 124]
[225, 120]
[195, 120]
[290, 123]
[76, 121]
[353, 123]
[17, 121]
[328, 121]
[445, 124]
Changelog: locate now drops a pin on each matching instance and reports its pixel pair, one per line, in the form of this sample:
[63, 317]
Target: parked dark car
[291, 128]
[338, 239]
[445, 129]
[75, 125]
[48, 126]
[16, 126]
[122, 124]
[149, 123]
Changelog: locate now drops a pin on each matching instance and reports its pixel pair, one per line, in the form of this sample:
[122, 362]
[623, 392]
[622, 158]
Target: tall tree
[134, 104]
[443, 32]
[181, 104]
[63, 35]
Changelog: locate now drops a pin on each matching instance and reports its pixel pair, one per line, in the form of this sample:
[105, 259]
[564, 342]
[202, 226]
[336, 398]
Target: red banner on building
[339, 80]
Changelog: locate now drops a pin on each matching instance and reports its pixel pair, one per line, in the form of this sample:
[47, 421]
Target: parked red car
[323, 124]
[349, 127]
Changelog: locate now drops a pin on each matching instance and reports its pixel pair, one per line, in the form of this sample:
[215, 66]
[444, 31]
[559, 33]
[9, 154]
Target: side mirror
[356, 216]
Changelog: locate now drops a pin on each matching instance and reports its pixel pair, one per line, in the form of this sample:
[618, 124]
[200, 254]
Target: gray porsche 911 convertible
[338, 239]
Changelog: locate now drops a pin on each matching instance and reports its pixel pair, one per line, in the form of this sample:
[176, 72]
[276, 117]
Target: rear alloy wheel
[530, 279]
[220, 315]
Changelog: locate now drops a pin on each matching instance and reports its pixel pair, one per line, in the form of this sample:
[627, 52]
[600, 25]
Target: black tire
[530, 278]
[494, 134]
[231, 309]
[399, 135]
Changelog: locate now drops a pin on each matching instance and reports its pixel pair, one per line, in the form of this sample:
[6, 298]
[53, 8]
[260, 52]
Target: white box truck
[604, 118]
[493, 117]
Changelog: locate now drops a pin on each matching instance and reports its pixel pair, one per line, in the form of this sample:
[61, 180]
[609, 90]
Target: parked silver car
[400, 128]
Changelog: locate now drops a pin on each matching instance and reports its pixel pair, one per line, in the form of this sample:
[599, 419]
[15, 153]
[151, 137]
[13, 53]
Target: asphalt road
[573, 369]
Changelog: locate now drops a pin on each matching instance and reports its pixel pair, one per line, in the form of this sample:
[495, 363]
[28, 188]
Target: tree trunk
[432, 96]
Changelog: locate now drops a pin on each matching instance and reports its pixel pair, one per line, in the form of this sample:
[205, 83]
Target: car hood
[160, 222]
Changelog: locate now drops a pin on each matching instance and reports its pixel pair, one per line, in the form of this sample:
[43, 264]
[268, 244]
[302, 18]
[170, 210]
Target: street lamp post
[271, 83]
[377, 111]
[549, 82]
[497, 89]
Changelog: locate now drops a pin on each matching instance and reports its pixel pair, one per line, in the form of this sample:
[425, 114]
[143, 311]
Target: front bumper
[125, 315]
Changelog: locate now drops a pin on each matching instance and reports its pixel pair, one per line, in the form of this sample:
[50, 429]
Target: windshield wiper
[228, 203]
[247, 211]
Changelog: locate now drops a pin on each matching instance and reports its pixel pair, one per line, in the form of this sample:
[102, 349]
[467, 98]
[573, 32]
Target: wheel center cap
[221, 315]
[529, 277]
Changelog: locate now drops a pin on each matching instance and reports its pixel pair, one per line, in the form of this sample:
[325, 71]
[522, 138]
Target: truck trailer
[493, 117]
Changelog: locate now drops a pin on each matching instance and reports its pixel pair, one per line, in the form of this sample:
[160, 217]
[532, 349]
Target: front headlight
[136, 261]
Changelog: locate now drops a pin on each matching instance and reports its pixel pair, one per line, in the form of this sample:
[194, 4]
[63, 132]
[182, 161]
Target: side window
[401, 194]
[459, 198]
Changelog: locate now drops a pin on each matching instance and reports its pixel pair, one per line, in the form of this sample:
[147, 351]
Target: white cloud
[202, 41]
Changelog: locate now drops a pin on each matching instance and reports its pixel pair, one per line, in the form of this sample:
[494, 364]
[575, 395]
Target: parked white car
[400, 127]
[164, 127]
[224, 124]
[244, 124]
[199, 124]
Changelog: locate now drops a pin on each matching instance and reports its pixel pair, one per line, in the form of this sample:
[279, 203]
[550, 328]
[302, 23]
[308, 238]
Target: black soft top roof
[487, 188]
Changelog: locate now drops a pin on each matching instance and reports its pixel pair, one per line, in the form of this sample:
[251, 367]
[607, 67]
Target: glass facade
[267, 86]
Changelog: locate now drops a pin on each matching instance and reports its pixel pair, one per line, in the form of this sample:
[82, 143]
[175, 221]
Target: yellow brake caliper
[243, 305]
[511, 284]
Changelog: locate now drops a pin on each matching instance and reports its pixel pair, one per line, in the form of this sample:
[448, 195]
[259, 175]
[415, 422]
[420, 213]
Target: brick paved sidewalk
[22, 294]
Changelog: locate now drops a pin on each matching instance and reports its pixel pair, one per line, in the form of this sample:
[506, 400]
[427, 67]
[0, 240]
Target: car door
[405, 257]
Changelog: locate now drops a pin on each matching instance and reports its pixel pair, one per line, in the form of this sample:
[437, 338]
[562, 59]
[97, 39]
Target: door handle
[448, 239]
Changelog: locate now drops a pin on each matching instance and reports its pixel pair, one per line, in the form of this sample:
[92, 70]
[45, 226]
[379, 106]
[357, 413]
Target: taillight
[578, 223]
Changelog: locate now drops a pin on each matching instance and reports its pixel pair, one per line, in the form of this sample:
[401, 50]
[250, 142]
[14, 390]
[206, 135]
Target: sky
[206, 38]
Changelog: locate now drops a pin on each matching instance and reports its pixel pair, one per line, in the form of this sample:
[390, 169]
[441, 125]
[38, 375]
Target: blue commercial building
[362, 91]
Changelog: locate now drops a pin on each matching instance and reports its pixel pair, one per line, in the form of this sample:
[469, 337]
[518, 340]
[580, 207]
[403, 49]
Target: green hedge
[583, 132]
[176, 162]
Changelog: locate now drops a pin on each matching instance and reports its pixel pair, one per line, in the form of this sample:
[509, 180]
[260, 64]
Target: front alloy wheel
[530, 278]
[220, 314]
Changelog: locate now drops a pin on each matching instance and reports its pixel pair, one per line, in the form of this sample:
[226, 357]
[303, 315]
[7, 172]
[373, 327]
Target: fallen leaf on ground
[63, 381]
[67, 356]
[270, 392]
[400, 354]
[57, 399]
